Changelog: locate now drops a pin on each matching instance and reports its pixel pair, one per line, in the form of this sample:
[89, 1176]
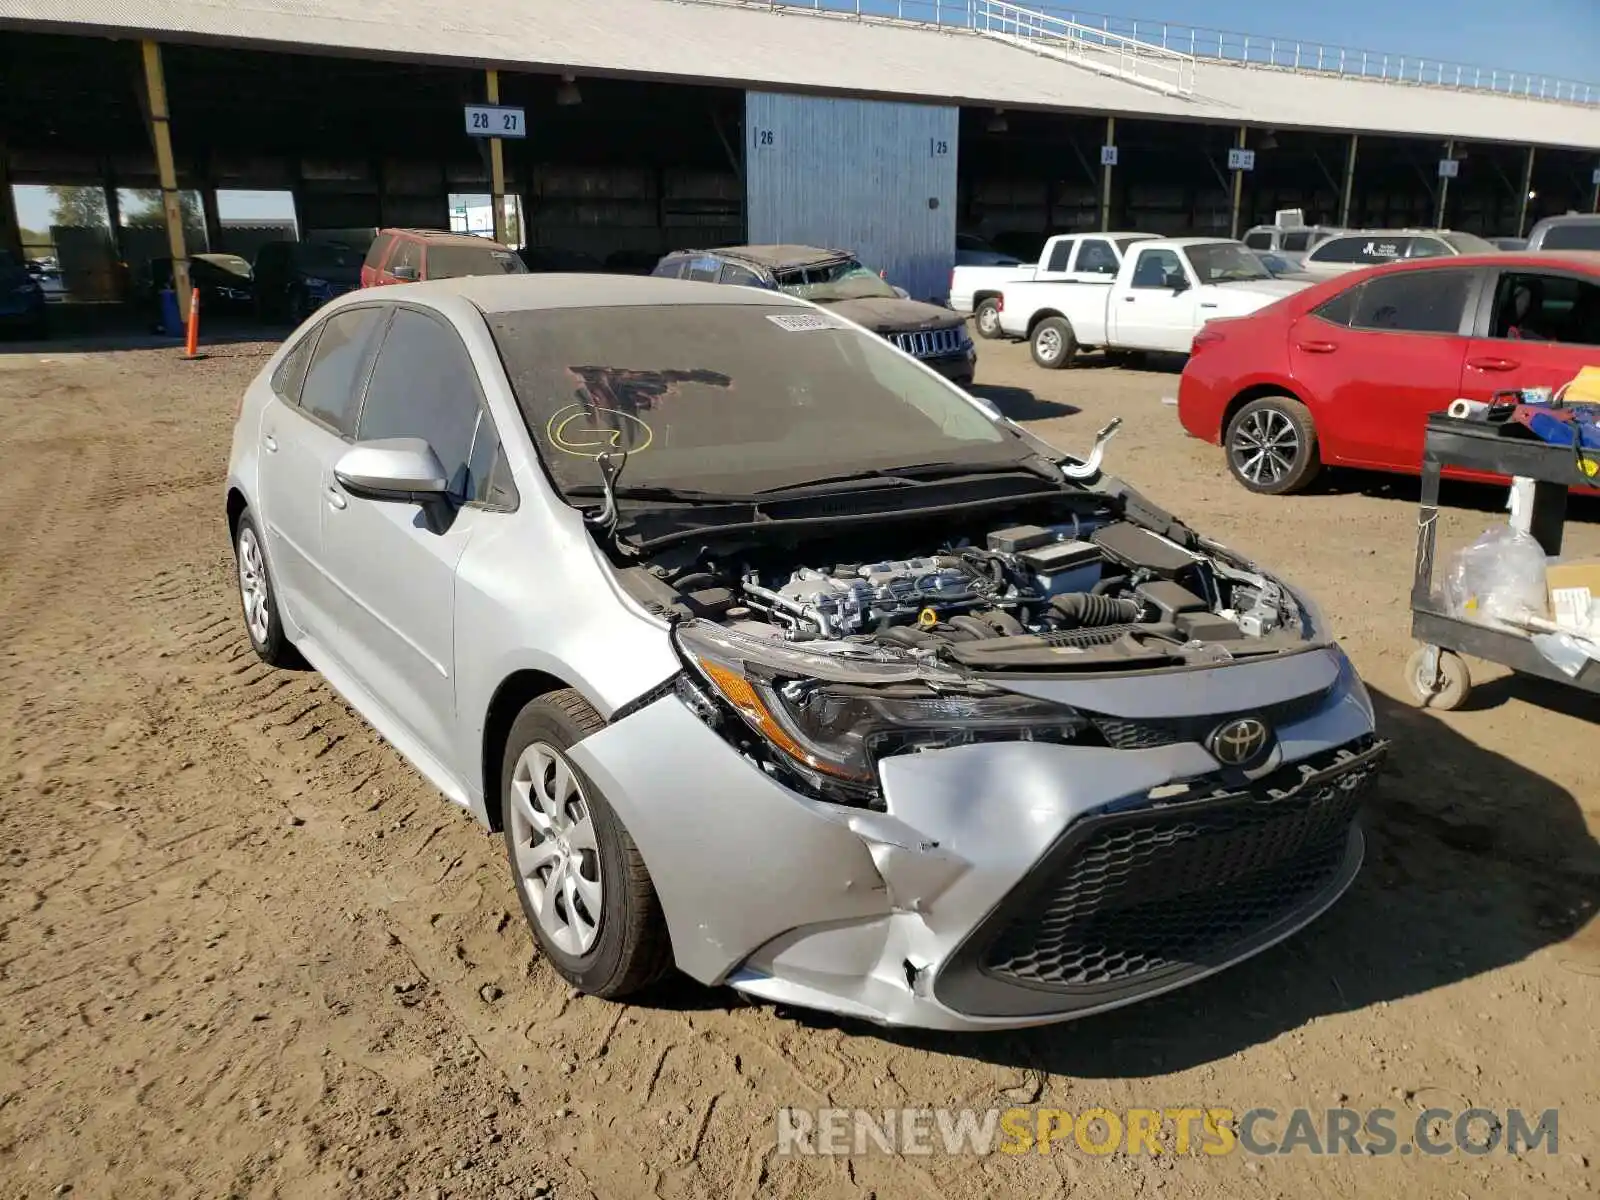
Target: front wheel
[987, 318]
[1271, 444]
[581, 880]
[1052, 344]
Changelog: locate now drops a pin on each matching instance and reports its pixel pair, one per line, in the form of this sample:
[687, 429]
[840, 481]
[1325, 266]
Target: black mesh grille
[1144, 733]
[1175, 887]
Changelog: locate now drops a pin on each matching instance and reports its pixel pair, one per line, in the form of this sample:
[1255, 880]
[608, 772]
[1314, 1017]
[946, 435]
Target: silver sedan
[778, 659]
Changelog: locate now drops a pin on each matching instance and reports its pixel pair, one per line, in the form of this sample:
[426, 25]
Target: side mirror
[398, 470]
[1180, 285]
[405, 273]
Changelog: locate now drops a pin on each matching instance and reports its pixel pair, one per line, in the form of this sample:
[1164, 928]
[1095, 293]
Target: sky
[1548, 37]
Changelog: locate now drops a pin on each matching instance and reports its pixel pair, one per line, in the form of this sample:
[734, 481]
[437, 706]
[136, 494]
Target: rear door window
[1258, 239]
[1096, 257]
[1413, 302]
[743, 276]
[1340, 309]
[1427, 247]
[1294, 243]
[1060, 255]
[705, 268]
[670, 267]
[332, 388]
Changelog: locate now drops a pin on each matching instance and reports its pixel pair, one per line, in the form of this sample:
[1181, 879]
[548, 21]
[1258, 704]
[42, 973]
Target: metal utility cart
[1436, 674]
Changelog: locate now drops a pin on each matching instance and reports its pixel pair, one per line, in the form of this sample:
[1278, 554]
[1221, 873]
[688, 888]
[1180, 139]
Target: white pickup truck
[1164, 291]
[1068, 257]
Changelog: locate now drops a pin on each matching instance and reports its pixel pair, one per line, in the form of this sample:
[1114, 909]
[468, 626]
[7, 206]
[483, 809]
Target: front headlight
[831, 717]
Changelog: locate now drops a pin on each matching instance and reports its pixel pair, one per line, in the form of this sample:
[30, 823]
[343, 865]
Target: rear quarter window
[1584, 236]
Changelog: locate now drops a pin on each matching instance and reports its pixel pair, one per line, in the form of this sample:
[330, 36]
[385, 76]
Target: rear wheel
[987, 318]
[1052, 344]
[259, 598]
[581, 880]
[1271, 445]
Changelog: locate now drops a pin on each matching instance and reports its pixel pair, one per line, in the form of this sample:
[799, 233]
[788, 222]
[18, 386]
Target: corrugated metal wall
[861, 175]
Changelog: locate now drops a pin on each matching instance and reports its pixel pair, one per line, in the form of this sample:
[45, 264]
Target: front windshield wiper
[910, 475]
[654, 492]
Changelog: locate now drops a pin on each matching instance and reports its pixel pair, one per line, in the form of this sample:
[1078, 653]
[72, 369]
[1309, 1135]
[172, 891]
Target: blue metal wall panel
[863, 175]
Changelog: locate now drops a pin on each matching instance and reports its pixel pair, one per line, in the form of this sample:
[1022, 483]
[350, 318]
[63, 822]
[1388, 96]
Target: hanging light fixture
[567, 95]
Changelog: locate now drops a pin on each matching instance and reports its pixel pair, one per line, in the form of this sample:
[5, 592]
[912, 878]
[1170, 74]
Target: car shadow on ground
[113, 328]
[1473, 862]
[1453, 493]
[1020, 404]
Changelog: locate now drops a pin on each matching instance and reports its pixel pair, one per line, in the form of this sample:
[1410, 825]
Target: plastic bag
[1499, 579]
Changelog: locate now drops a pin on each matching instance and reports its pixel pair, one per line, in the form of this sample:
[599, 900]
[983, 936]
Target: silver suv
[778, 658]
[1356, 249]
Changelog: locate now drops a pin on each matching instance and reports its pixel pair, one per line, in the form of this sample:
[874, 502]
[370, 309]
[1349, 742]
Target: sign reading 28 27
[495, 121]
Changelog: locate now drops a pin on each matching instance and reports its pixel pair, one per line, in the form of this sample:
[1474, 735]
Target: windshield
[447, 261]
[847, 280]
[732, 398]
[1468, 243]
[328, 256]
[231, 263]
[1225, 262]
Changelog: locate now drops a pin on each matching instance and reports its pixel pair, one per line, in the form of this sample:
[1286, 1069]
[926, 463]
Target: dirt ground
[246, 951]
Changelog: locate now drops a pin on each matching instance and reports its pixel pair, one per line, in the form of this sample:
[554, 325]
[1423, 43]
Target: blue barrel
[171, 321]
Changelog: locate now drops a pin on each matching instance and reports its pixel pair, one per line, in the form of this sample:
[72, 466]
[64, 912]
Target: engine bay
[1080, 590]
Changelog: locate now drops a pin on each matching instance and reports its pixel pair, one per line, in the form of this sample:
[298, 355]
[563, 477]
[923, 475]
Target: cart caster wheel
[1449, 690]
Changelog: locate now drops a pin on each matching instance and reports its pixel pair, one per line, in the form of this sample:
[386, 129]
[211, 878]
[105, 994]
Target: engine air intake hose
[1081, 609]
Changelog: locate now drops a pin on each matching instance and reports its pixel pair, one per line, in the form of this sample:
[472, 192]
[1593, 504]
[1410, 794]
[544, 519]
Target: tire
[986, 318]
[1449, 691]
[1271, 446]
[1052, 344]
[624, 946]
[259, 598]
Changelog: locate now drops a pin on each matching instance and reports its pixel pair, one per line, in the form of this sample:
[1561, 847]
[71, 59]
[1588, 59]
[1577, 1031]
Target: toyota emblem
[1240, 742]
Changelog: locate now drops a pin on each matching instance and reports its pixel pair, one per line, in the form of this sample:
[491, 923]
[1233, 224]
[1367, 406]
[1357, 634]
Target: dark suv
[933, 335]
[294, 279]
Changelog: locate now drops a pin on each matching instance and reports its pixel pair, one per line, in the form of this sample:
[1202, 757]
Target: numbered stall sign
[1596, 179]
[1241, 160]
[494, 121]
[938, 147]
[1449, 168]
[1108, 156]
[764, 140]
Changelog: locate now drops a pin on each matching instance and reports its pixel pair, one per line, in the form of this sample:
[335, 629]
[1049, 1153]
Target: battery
[1019, 538]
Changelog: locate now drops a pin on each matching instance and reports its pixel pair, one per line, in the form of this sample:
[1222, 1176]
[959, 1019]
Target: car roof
[1571, 219]
[1197, 241]
[523, 293]
[775, 258]
[445, 237]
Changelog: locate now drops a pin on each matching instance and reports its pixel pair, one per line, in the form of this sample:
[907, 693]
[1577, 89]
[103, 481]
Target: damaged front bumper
[1007, 884]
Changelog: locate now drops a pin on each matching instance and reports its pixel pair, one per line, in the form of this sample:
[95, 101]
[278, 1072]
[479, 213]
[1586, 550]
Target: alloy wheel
[253, 587]
[1265, 447]
[1048, 342]
[553, 842]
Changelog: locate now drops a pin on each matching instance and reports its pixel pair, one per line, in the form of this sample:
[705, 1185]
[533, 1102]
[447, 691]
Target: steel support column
[1522, 199]
[1105, 181]
[1238, 188]
[161, 135]
[10, 229]
[497, 165]
[1349, 180]
[1444, 186]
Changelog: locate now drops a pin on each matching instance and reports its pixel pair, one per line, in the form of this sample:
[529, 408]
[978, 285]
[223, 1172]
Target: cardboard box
[1575, 594]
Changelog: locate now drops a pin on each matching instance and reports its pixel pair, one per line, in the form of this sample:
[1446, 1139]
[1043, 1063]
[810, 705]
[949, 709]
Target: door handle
[1316, 347]
[270, 442]
[335, 498]
[1493, 364]
[1210, 304]
[1129, 299]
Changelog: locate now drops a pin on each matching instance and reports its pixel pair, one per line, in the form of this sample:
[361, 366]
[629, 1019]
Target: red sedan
[1346, 372]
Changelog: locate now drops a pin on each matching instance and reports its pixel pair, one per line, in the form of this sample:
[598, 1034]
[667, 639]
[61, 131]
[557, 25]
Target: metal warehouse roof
[792, 51]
